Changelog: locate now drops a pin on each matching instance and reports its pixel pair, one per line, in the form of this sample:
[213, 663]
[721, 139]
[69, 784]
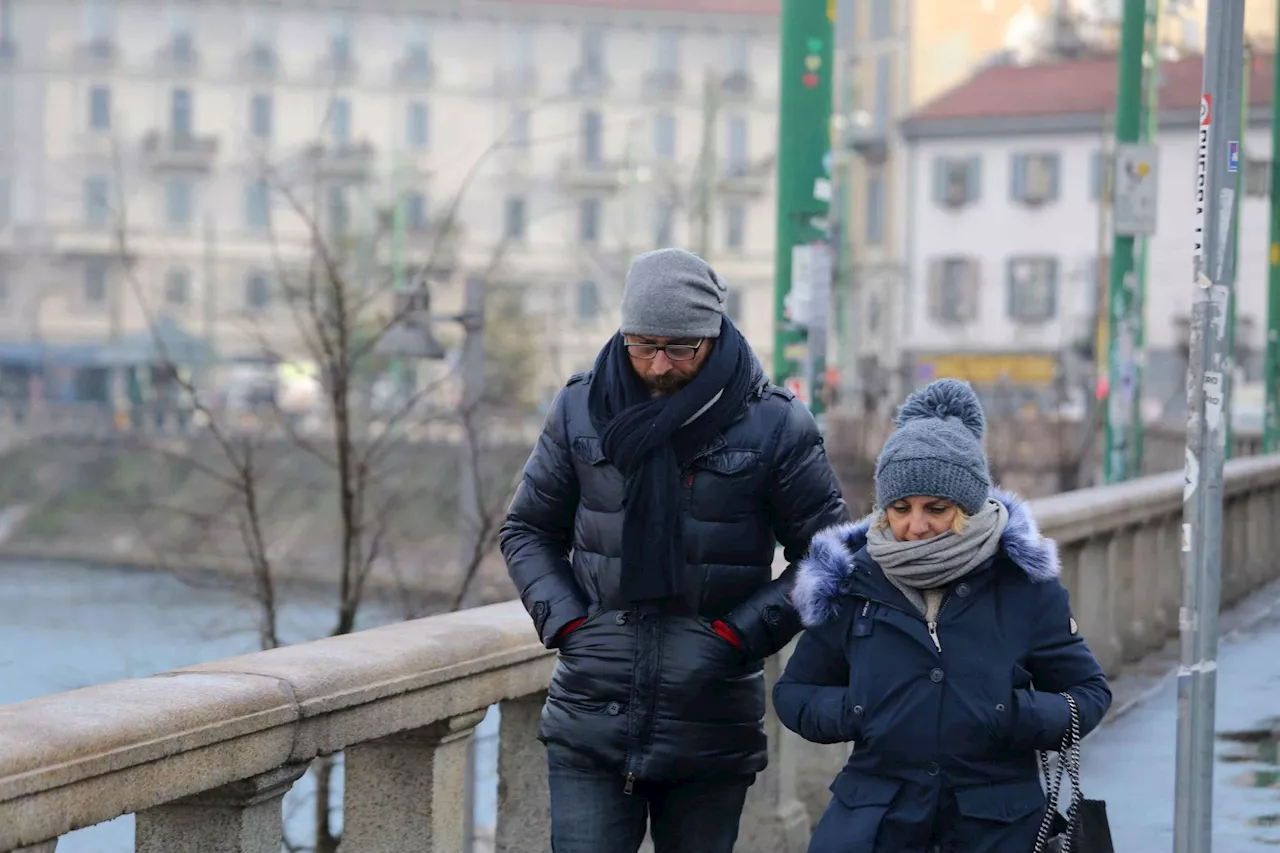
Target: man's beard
[665, 386]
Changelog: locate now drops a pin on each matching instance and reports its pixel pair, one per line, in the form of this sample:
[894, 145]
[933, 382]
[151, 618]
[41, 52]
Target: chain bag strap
[1068, 761]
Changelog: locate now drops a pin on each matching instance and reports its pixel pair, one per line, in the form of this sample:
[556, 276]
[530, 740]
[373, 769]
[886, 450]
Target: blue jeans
[591, 813]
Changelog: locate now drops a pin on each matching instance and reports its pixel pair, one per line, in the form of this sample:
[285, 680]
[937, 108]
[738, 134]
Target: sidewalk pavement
[1130, 761]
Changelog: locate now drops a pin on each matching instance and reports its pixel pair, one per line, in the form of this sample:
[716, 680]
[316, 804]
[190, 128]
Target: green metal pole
[804, 137]
[1235, 254]
[1271, 423]
[1150, 127]
[1123, 285]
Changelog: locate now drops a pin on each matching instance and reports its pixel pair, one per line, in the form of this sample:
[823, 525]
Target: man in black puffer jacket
[641, 540]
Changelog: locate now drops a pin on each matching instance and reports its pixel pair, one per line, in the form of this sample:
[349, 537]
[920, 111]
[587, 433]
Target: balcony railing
[166, 150]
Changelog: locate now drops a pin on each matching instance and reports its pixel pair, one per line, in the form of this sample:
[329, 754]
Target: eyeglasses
[675, 352]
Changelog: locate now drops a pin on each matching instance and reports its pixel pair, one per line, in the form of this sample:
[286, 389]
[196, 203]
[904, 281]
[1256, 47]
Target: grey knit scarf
[929, 565]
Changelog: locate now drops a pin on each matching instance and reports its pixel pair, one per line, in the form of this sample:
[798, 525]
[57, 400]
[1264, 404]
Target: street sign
[1136, 186]
[1233, 156]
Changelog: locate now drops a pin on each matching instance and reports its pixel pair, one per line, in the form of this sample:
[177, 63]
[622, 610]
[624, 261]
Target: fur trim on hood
[823, 571]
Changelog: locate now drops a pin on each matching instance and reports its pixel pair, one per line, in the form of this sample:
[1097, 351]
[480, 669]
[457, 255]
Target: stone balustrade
[204, 755]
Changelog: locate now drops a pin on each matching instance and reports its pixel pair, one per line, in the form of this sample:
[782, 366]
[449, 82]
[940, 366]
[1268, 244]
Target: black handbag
[1085, 829]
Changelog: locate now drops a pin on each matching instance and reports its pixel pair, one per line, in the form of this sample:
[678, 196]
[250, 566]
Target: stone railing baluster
[524, 824]
[242, 817]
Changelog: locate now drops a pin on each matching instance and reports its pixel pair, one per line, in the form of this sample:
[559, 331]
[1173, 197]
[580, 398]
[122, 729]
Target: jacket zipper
[933, 626]
[630, 785]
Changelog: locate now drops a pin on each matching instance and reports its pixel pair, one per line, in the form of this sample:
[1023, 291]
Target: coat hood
[829, 563]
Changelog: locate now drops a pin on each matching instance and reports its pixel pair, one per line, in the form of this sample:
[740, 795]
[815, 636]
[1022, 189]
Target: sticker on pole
[1136, 182]
[1233, 156]
[1202, 179]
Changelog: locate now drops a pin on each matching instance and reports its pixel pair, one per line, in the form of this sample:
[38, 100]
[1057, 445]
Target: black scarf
[647, 439]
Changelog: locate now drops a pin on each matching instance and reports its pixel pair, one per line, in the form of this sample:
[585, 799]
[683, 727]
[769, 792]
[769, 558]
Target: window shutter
[1054, 164]
[972, 283]
[1052, 274]
[1018, 174]
[939, 180]
[935, 289]
[975, 180]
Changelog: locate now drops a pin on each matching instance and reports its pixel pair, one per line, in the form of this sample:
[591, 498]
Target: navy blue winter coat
[945, 742]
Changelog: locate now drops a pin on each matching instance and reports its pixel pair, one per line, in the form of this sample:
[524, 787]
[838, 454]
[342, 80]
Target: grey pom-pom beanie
[671, 293]
[936, 449]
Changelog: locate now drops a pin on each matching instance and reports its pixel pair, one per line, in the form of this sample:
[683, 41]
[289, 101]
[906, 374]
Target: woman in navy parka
[939, 641]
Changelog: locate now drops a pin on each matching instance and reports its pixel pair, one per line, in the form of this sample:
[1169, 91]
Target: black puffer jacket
[658, 694]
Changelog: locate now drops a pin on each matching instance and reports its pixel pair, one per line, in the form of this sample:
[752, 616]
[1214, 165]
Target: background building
[153, 156]
[1006, 235]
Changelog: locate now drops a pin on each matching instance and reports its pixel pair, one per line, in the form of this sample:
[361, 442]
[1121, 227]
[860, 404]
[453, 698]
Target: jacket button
[857, 709]
[771, 614]
[614, 709]
[963, 590]
[934, 769]
[1000, 706]
[621, 617]
[539, 608]
[935, 676]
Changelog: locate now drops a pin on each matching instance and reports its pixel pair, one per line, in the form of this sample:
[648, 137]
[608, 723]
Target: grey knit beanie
[671, 293]
[936, 449]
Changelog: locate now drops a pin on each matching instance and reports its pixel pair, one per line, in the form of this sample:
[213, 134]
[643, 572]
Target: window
[340, 43]
[416, 125]
[520, 50]
[514, 218]
[340, 122]
[180, 119]
[1033, 289]
[177, 202]
[261, 110]
[953, 290]
[257, 213]
[95, 282]
[882, 109]
[735, 225]
[736, 146]
[99, 24]
[415, 49]
[6, 201]
[593, 50]
[96, 203]
[181, 26]
[881, 19]
[518, 132]
[262, 38]
[100, 108]
[592, 138]
[956, 181]
[667, 58]
[1257, 177]
[1035, 178]
[733, 304]
[339, 214]
[1099, 174]
[8, 116]
[875, 210]
[177, 288]
[664, 214]
[415, 211]
[6, 21]
[664, 137]
[257, 290]
[739, 59]
[588, 307]
[589, 220]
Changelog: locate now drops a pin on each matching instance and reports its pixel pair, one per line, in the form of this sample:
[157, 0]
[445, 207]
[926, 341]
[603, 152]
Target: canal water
[67, 626]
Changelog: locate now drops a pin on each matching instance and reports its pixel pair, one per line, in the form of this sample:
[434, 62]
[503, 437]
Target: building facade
[173, 159]
[1009, 233]
[906, 53]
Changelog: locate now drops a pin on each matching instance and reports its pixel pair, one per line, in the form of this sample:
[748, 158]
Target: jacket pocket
[723, 485]
[858, 807]
[1009, 803]
[601, 486]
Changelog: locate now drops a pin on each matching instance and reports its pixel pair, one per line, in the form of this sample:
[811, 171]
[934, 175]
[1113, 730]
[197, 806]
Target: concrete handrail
[204, 754]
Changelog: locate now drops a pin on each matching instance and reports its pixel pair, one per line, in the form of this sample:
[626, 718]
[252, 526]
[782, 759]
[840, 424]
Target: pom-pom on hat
[936, 449]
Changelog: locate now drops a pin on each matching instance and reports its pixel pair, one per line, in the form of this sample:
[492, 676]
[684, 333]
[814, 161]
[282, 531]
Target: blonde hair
[958, 523]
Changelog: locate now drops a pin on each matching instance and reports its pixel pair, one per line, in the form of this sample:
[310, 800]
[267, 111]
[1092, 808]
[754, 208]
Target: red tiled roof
[705, 7]
[1073, 87]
